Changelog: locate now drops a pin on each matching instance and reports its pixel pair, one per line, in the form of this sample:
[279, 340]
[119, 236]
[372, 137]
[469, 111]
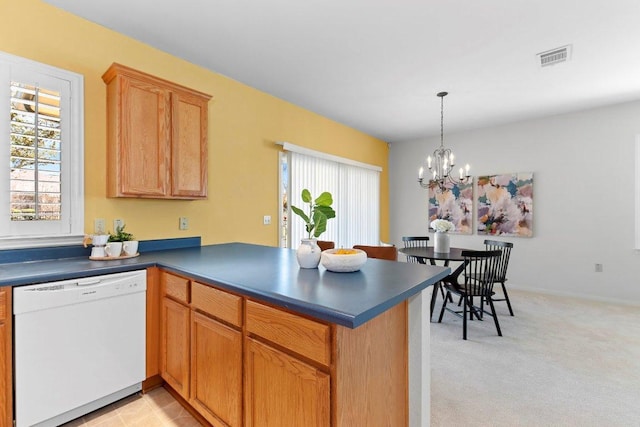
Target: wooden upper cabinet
[156, 137]
[188, 144]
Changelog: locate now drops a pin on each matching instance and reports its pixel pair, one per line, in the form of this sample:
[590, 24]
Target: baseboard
[187, 406]
[573, 295]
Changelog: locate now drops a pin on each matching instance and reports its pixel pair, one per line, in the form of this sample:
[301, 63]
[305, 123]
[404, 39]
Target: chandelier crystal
[442, 163]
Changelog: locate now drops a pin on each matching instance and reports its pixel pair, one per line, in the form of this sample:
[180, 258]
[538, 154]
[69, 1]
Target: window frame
[72, 152]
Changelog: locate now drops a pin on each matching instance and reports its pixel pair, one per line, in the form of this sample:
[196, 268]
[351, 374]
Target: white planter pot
[308, 253]
[441, 242]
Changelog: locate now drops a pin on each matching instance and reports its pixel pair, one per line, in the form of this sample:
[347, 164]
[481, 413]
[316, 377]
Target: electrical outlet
[598, 268]
[117, 223]
[99, 226]
[183, 223]
[266, 220]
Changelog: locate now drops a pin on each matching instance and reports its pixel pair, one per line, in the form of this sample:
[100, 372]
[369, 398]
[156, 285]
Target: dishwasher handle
[90, 281]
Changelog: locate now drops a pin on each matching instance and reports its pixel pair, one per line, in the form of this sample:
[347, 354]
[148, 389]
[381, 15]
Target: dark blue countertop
[266, 273]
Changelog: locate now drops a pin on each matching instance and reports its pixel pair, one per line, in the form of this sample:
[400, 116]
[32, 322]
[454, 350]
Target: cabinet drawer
[217, 303]
[4, 312]
[175, 287]
[303, 336]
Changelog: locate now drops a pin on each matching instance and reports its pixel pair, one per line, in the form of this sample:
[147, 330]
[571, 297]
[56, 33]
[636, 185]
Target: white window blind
[356, 199]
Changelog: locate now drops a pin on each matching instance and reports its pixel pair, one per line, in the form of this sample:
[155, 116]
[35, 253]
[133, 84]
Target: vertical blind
[356, 199]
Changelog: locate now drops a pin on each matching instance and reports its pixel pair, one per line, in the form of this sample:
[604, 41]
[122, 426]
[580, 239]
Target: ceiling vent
[554, 56]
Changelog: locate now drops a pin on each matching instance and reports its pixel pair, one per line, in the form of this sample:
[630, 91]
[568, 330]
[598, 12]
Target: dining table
[422, 255]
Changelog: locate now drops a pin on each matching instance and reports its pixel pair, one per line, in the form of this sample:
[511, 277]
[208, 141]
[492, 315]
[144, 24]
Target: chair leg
[506, 297]
[495, 316]
[444, 305]
[464, 319]
[434, 295]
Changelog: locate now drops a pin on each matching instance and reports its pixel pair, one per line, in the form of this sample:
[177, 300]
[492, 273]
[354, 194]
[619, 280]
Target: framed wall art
[505, 205]
[455, 204]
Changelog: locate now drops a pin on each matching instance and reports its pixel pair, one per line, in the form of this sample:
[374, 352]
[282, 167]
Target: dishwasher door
[78, 345]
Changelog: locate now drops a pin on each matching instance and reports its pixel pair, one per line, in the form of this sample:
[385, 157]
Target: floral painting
[505, 205]
[454, 204]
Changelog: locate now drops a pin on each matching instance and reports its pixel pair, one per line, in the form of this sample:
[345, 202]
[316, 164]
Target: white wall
[583, 165]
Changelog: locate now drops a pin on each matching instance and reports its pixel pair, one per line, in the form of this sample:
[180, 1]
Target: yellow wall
[244, 123]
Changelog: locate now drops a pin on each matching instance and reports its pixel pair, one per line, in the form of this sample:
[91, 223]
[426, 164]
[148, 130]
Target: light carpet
[560, 362]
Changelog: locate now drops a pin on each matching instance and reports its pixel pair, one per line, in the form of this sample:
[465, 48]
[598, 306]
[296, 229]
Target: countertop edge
[148, 260]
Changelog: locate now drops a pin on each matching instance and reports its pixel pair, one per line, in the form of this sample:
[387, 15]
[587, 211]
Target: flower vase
[441, 242]
[308, 253]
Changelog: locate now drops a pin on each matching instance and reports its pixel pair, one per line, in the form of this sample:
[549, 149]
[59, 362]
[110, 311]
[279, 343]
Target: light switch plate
[99, 226]
[183, 223]
[117, 223]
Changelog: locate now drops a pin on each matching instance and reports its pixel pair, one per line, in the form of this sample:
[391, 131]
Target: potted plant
[441, 238]
[128, 245]
[319, 212]
[120, 235]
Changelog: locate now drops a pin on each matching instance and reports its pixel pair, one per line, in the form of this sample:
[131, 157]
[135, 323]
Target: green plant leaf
[327, 211]
[324, 199]
[306, 196]
[301, 213]
[320, 221]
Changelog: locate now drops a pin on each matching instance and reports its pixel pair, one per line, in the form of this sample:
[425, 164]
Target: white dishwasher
[78, 345]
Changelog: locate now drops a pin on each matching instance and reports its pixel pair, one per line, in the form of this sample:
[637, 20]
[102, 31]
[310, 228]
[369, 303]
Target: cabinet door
[189, 146]
[216, 371]
[143, 154]
[6, 388]
[174, 354]
[281, 390]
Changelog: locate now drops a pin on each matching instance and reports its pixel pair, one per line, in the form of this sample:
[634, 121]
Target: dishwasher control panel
[48, 295]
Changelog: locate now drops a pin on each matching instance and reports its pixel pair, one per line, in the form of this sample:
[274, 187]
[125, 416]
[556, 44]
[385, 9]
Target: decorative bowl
[343, 260]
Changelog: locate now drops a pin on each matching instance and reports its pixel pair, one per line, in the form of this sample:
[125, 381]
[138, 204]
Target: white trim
[584, 297]
[41, 242]
[74, 156]
[287, 146]
[637, 189]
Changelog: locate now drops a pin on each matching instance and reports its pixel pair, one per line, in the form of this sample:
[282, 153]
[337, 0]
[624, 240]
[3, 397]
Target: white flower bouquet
[442, 225]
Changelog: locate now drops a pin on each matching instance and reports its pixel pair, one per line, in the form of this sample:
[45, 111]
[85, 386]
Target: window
[41, 120]
[355, 188]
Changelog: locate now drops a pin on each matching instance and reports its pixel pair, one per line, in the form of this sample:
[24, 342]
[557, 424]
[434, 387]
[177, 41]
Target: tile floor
[154, 409]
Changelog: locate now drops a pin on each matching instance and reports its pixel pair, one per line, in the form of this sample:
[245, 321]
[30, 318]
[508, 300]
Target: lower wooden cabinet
[216, 371]
[6, 374]
[174, 345]
[240, 362]
[282, 390]
[201, 354]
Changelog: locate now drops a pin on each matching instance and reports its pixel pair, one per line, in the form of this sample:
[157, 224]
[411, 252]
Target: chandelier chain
[442, 119]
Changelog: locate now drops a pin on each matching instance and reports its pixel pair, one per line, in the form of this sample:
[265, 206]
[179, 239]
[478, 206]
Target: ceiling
[376, 65]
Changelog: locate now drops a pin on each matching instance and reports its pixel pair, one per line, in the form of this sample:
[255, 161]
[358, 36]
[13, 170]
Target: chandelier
[442, 163]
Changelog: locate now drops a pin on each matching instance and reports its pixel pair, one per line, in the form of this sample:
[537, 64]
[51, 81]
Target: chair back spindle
[480, 269]
[415, 242]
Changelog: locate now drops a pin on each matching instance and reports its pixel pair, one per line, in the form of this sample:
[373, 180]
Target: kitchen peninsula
[311, 345]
